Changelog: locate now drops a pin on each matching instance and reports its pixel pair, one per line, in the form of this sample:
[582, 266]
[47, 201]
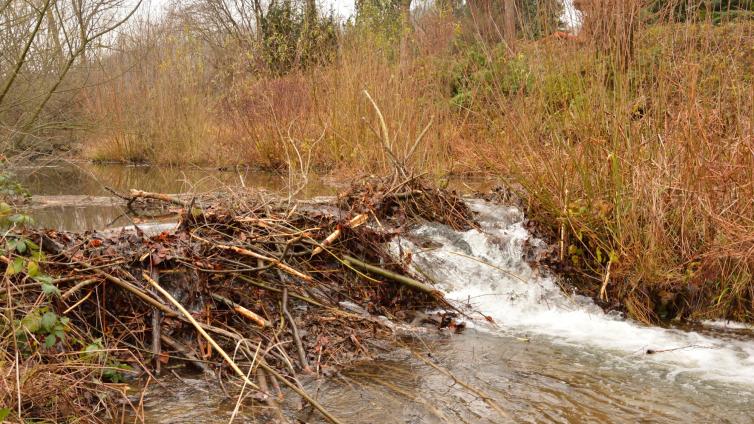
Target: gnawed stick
[201, 331]
[240, 310]
[353, 223]
[406, 281]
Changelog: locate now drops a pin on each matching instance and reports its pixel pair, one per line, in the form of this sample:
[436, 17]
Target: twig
[386, 143]
[136, 291]
[273, 289]
[296, 337]
[418, 139]
[486, 398]
[300, 392]
[262, 378]
[76, 288]
[603, 288]
[186, 351]
[243, 388]
[156, 345]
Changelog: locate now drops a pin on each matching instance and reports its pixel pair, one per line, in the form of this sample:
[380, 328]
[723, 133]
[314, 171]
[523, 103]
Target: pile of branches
[407, 202]
[266, 293]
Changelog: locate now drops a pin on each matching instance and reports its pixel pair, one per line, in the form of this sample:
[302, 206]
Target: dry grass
[649, 169]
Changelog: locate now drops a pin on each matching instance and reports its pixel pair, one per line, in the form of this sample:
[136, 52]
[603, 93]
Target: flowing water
[543, 355]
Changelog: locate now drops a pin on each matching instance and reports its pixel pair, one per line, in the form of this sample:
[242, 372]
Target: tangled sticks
[264, 289]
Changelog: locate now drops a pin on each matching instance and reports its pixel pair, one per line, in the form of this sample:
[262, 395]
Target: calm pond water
[550, 357]
[72, 196]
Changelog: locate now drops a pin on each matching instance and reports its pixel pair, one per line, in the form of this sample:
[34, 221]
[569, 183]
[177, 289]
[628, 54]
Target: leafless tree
[42, 45]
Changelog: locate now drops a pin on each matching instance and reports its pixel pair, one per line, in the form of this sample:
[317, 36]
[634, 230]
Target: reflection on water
[86, 179]
[91, 179]
[79, 217]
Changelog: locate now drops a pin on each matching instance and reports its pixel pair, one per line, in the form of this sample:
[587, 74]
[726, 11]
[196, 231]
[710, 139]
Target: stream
[543, 355]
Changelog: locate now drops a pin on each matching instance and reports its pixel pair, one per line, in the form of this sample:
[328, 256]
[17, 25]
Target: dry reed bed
[252, 289]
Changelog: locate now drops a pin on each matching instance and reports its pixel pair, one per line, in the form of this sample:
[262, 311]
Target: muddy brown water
[535, 373]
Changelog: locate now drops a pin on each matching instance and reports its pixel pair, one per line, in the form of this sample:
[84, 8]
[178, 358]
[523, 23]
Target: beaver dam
[275, 292]
[394, 302]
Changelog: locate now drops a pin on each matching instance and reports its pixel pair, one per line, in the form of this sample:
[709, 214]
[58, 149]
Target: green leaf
[4, 412]
[10, 245]
[20, 246]
[49, 319]
[50, 340]
[64, 320]
[31, 245]
[125, 367]
[15, 267]
[32, 322]
[37, 255]
[95, 346]
[50, 289]
[112, 375]
[43, 278]
[614, 257]
[32, 268]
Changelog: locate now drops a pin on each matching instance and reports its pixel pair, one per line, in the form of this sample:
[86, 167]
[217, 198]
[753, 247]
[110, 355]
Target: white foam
[486, 269]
